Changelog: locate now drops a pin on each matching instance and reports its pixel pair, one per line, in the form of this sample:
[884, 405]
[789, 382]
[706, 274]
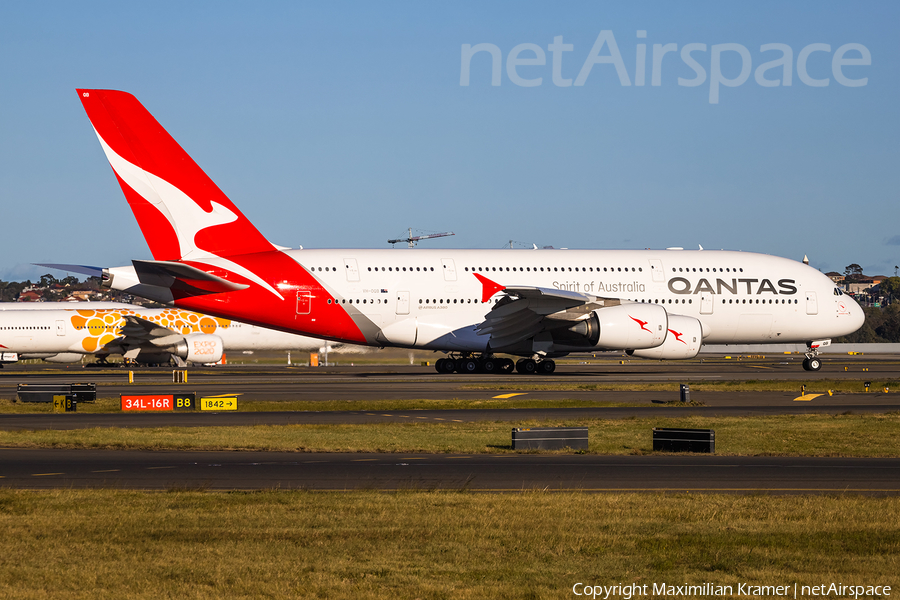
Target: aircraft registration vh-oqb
[471, 304]
[64, 332]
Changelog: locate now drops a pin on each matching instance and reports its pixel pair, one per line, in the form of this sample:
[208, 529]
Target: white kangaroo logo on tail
[185, 216]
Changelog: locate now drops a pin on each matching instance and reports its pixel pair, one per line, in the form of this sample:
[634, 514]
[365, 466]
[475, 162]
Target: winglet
[488, 287]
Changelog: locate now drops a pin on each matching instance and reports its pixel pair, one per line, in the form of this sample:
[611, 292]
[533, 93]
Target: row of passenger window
[744, 301]
[557, 269]
[421, 301]
[398, 269]
[21, 328]
[700, 270]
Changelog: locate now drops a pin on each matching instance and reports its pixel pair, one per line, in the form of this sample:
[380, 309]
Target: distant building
[835, 277]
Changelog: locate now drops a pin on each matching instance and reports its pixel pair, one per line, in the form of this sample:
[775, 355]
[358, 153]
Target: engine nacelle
[64, 357]
[684, 341]
[200, 348]
[629, 326]
[620, 327]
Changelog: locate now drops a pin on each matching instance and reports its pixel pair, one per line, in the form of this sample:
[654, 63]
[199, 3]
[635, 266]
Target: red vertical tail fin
[181, 212]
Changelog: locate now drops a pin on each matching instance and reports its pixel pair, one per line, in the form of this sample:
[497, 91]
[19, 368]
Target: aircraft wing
[526, 311]
[140, 333]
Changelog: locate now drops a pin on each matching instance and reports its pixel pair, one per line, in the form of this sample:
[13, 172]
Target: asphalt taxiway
[42, 469]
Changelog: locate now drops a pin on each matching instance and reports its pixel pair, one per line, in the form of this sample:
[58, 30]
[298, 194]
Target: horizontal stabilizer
[182, 277]
[83, 269]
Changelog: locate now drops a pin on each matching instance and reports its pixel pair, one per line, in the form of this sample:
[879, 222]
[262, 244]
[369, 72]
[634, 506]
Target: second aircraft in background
[65, 332]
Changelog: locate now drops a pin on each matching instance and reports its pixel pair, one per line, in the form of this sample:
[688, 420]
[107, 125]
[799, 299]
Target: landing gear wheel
[526, 366]
[546, 367]
[813, 364]
[445, 365]
[806, 364]
[507, 365]
[469, 365]
[489, 365]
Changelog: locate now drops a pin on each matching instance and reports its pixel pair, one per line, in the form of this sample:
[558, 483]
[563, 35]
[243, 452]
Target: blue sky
[342, 124]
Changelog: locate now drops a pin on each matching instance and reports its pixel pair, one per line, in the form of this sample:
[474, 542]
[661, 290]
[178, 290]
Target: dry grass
[785, 435]
[113, 545]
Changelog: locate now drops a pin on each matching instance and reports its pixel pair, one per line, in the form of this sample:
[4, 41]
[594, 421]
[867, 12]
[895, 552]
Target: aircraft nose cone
[857, 315]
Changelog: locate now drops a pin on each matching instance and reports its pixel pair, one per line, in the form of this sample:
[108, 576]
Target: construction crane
[412, 240]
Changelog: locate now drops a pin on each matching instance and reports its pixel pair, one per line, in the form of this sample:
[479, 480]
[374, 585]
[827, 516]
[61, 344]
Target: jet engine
[619, 327]
[200, 348]
[684, 341]
[64, 357]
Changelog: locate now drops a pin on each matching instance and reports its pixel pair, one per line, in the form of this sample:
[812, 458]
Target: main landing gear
[487, 363]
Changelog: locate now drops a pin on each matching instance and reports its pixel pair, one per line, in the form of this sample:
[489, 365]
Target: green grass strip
[863, 435]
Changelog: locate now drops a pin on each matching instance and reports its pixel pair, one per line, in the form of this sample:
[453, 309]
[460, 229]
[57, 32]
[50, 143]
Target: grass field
[114, 544]
[869, 435]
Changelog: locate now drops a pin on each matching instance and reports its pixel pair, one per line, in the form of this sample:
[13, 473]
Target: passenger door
[812, 306]
[351, 269]
[402, 303]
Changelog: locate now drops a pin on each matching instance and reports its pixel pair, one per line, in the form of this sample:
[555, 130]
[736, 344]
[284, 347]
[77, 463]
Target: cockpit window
[838, 292]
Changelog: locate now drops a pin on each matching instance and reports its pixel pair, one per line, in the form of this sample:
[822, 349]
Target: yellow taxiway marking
[387, 415]
[404, 416]
[45, 474]
[807, 397]
[364, 460]
[456, 420]
[224, 395]
[759, 367]
[421, 417]
[438, 419]
[107, 471]
[511, 395]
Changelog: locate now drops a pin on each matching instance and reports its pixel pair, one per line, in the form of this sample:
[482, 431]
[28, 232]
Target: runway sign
[219, 403]
[186, 401]
[147, 402]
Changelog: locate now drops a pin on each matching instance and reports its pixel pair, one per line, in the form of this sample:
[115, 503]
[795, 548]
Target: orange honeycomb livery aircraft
[65, 332]
[470, 304]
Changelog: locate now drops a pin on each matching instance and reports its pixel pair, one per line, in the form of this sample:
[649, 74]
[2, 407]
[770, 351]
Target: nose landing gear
[812, 362]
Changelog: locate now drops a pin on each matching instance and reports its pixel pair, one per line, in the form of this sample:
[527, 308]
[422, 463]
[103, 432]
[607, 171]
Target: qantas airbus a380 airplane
[471, 304]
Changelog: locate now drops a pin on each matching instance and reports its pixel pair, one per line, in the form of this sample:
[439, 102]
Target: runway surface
[406, 383]
[42, 469]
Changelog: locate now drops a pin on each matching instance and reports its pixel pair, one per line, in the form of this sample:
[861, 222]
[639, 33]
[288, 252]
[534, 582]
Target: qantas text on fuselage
[471, 304]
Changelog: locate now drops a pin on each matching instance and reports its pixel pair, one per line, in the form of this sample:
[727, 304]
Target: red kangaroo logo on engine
[678, 336]
[641, 323]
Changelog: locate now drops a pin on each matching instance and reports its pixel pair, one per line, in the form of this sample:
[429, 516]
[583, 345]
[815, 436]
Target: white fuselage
[431, 298]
